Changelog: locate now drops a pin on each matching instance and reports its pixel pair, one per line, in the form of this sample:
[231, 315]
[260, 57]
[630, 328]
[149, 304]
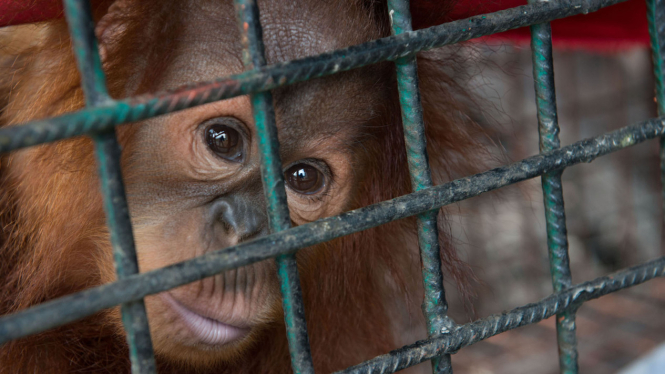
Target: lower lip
[207, 330]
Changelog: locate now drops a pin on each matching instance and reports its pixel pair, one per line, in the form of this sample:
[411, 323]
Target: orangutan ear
[112, 25]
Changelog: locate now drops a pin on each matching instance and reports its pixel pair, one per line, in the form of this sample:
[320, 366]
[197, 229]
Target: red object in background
[16, 12]
[618, 26]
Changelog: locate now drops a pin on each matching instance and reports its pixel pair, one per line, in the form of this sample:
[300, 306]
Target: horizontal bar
[387, 49]
[79, 305]
[471, 333]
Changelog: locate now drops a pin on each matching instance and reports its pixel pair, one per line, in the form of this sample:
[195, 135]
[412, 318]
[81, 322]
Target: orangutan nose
[241, 216]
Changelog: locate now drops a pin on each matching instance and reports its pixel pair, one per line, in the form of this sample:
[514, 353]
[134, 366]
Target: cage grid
[102, 113]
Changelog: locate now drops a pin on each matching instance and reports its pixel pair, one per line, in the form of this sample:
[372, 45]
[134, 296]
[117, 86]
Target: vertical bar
[273, 188]
[434, 305]
[555, 217]
[656, 18]
[107, 151]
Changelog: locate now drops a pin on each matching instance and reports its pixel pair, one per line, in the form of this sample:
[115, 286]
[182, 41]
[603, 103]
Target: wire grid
[102, 114]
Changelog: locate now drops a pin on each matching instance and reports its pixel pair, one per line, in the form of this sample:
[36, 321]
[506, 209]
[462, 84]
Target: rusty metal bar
[555, 216]
[107, 151]
[434, 304]
[656, 20]
[274, 191]
[476, 331]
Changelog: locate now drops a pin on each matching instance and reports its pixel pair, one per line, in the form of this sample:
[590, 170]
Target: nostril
[225, 224]
[239, 217]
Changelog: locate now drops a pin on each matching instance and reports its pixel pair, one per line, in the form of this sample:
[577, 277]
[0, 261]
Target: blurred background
[613, 205]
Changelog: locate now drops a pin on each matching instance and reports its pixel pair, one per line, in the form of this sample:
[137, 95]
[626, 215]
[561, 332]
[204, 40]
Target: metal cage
[102, 114]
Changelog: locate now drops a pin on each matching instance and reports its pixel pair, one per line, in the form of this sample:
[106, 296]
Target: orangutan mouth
[206, 330]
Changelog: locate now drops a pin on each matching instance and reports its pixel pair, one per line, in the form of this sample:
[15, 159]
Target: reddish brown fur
[53, 222]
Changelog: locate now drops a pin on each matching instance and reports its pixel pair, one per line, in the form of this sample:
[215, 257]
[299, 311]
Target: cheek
[169, 240]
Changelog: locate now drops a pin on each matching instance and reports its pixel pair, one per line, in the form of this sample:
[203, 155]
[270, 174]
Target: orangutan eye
[305, 179]
[225, 142]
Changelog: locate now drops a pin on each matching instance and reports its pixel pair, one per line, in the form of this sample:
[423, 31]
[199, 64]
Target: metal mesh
[102, 114]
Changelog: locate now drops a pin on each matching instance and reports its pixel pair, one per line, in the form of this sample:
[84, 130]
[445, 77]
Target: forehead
[291, 28]
[208, 46]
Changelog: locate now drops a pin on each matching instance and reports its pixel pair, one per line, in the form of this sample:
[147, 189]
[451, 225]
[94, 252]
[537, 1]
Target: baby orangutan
[193, 185]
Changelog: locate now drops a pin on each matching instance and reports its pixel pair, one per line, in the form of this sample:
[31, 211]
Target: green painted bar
[656, 20]
[107, 152]
[274, 191]
[434, 305]
[555, 217]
